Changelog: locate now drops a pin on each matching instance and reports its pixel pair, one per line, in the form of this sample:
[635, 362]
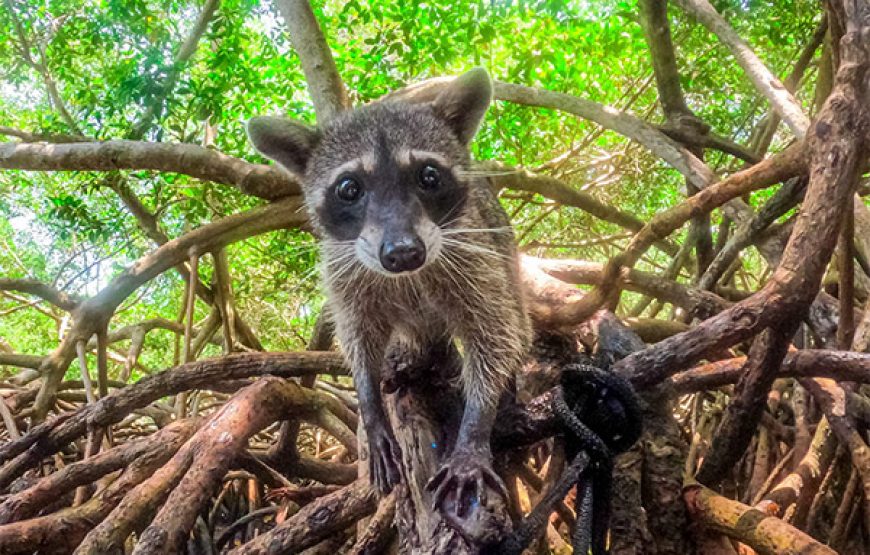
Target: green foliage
[113, 62]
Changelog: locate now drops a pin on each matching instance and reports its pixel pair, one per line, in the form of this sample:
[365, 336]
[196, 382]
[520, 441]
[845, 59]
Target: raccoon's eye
[348, 189]
[430, 177]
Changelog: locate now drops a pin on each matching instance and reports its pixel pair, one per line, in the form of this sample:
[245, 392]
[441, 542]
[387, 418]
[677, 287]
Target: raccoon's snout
[402, 255]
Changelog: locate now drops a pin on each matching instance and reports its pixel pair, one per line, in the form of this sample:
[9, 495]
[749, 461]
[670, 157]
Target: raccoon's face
[382, 182]
[394, 194]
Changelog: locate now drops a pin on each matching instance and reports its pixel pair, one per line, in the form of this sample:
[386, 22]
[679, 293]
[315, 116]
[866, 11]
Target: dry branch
[764, 533]
[63, 530]
[25, 504]
[206, 458]
[840, 365]
[317, 521]
[49, 437]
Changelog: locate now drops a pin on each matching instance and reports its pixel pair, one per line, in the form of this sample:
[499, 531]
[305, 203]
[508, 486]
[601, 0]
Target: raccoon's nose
[404, 255]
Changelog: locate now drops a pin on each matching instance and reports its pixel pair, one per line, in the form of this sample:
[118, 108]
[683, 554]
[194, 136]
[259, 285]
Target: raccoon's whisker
[339, 248]
[459, 230]
[415, 290]
[449, 268]
[337, 244]
[458, 272]
[453, 210]
[336, 257]
[337, 274]
[339, 261]
[485, 173]
[339, 266]
[474, 247]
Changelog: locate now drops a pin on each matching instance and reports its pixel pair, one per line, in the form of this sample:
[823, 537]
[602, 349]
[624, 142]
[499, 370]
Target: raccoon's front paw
[384, 456]
[461, 485]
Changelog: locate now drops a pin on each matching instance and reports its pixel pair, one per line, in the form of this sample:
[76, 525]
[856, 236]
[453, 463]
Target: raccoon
[415, 249]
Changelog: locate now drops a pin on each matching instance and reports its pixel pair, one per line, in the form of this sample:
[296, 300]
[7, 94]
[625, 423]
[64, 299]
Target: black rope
[601, 418]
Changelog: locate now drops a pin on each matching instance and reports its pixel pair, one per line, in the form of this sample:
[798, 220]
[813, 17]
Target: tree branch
[782, 201]
[41, 68]
[204, 460]
[324, 83]
[837, 146]
[185, 52]
[520, 179]
[697, 302]
[783, 166]
[317, 521]
[748, 403]
[96, 311]
[60, 532]
[42, 290]
[24, 504]
[625, 124]
[28, 137]
[842, 365]
[48, 437]
[259, 180]
[765, 82]
[766, 534]
[792, 80]
[654, 19]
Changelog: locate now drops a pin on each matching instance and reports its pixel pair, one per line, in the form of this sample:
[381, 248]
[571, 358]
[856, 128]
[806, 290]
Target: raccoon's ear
[286, 141]
[464, 102]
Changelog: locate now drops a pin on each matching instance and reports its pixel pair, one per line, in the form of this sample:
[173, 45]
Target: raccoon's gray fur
[382, 184]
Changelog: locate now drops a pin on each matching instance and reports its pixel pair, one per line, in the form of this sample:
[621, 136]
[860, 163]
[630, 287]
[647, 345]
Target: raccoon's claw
[461, 484]
[384, 455]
